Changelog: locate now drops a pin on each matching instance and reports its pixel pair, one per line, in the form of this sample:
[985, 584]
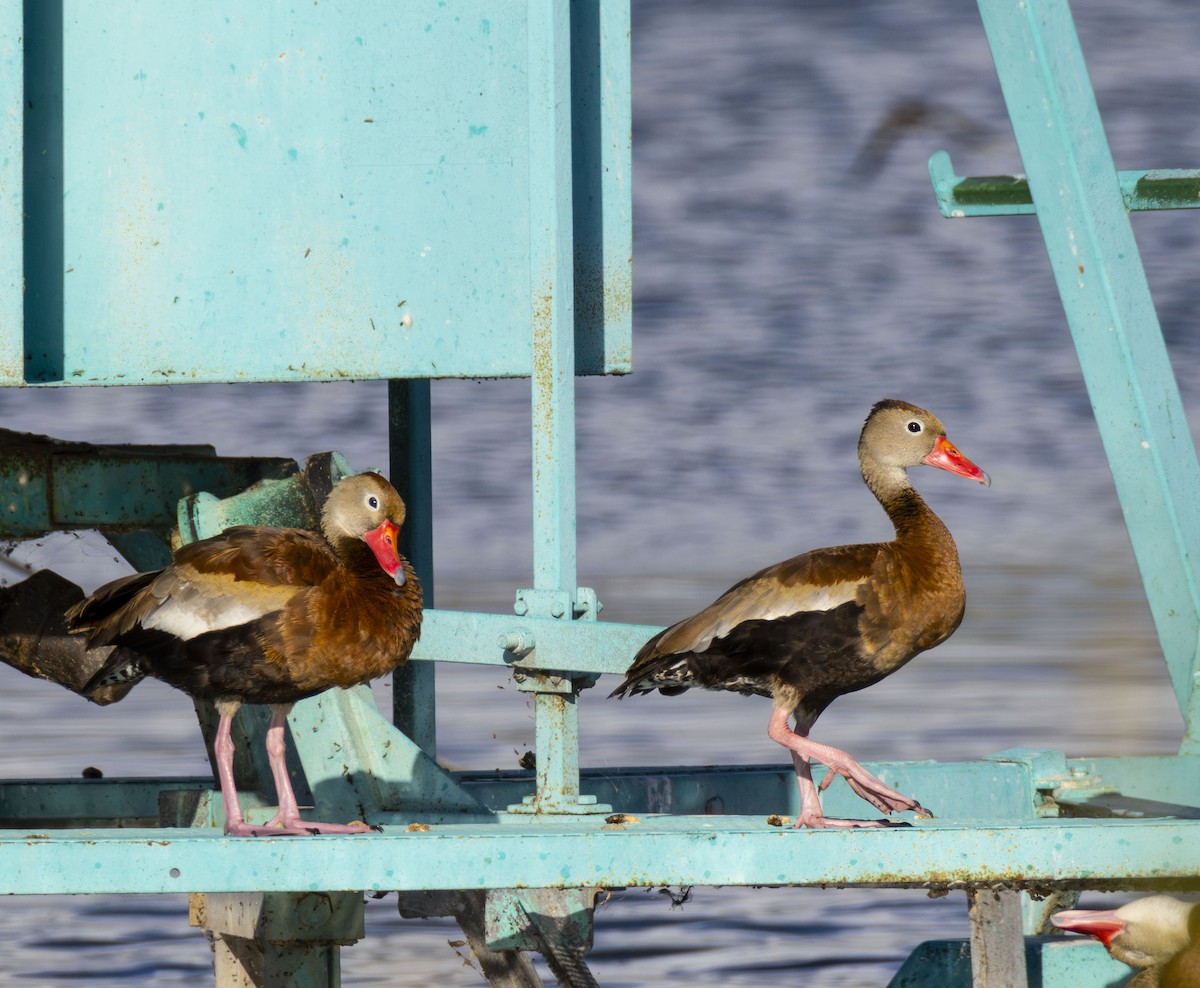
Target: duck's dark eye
[914, 426]
[372, 502]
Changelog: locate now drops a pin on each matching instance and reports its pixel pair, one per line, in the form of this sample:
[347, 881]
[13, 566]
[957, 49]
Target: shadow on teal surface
[1052, 962]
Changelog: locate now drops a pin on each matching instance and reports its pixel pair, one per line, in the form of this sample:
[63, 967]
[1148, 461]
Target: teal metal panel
[57, 804]
[1132, 787]
[327, 191]
[1078, 963]
[357, 763]
[1100, 278]
[573, 854]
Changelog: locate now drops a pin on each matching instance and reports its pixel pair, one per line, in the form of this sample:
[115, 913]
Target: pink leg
[223, 750]
[287, 820]
[866, 785]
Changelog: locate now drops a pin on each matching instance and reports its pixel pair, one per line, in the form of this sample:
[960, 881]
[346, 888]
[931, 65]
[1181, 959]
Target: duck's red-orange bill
[945, 456]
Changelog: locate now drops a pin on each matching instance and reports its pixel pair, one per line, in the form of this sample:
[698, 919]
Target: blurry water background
[790, 269]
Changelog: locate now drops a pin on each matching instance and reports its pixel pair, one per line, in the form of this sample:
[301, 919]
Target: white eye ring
[372, 502]
[915, 426]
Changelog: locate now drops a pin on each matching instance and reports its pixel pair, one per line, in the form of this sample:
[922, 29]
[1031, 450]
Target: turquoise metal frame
[1025, 821]
[1083, 211]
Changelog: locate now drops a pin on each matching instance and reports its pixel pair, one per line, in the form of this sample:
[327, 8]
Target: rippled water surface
[790, 269]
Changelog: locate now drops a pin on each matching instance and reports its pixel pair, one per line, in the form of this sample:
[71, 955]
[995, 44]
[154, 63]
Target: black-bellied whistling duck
[1156, 934]
[831, 621]
[268, 615]
[1183, 970]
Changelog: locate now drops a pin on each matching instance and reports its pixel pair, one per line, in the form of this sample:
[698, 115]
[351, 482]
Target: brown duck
[831, 621]
[1159, 935]
[267, 615]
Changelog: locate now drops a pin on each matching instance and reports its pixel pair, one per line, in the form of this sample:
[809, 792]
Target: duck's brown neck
[354, 553]
[912, 517]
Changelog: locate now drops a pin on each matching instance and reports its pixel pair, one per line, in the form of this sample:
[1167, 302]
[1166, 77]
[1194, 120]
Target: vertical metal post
[552, 275]
[1096, 264]
[997, 944]
[411, 467]
[552, 240]
[13, 203]
[43, 183]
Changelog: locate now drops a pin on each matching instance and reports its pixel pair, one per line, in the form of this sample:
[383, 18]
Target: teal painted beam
[553, 259]
[601, 123]
[574, 646]
[552, 263]
[12, 193]
[1008, 195]
[357, 763]
[1100, 278]
[410, 441]
[984, 790]
[573, 854]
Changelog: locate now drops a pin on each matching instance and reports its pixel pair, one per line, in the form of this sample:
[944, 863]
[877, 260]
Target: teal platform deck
[677, 844]
[512, 177]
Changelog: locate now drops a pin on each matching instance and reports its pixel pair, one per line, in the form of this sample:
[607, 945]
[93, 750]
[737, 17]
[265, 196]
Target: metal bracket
[265, 939]
[556, 709]
[1052, 778]
[557, 923]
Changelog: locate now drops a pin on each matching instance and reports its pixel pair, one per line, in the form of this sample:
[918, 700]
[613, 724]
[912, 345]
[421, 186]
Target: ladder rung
[1008, 195]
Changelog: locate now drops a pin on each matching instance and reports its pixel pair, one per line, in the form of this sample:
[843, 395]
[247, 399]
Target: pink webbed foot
[865, 785]
[287, 821]
[818, 821]
[296, 827]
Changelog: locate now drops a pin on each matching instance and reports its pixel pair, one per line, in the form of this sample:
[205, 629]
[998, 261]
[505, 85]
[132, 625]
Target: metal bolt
[521, 607]
[520, 643]
[557, 609]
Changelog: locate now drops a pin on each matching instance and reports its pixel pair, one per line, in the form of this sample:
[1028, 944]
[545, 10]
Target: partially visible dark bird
[267, 615]
[1159, 935]
[908, 116]
[831, 621]
[1183, 970]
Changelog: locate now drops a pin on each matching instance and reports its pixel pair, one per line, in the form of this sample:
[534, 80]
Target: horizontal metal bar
[976, 790]
[48, 484]
[55, 801]
[569, 646]
[1008, 195]
[701, 850]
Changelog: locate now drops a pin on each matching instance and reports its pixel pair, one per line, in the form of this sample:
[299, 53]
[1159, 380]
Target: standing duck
[831, 621]
[1156, 934]
[267, 615]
